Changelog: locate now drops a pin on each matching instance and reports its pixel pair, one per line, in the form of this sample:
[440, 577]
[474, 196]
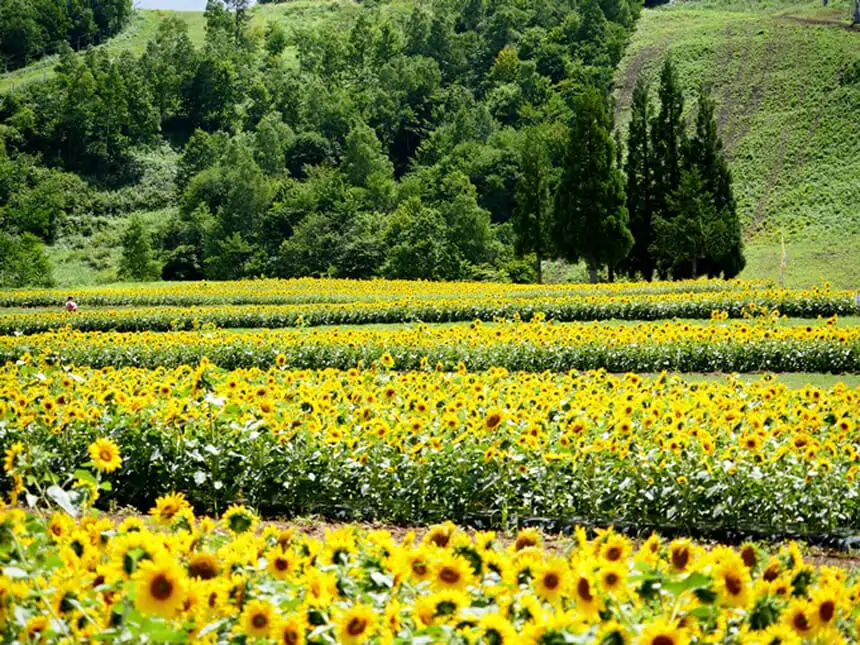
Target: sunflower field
[177, 578]
[150, 440]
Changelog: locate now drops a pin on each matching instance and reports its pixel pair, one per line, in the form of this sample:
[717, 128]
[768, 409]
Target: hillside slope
[789, 114]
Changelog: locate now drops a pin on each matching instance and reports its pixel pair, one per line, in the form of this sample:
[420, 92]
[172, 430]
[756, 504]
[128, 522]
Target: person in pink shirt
[71, 305]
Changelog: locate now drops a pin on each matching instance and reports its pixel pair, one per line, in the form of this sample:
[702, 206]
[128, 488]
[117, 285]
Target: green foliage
[30, 29]
[694, 228]
[590, 219]
[415, 244]
[533, 211]
[23, 262]
[137, 263]
[298, 142]
[639, 168]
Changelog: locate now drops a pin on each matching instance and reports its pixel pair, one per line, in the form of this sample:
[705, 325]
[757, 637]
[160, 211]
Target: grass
[787, 119]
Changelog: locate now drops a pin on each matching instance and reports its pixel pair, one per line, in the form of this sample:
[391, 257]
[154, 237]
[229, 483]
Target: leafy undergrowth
[787, 90]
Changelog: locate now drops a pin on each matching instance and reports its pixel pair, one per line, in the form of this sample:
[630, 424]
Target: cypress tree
[640, 183]
[590, 220]
[705, 154]
[668, 141]
[693, 231]
[533, 211]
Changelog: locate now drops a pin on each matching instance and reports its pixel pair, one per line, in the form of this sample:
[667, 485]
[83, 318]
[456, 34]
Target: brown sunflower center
[202, 568]
[734, 585]
[800, 622]
[611, 579]
[748, 556]
[356, 626]
[525, 542]
[161, 587]
[281, 564]
[680, 558]
[449, 575]
[662, 639]
[826, 611]
[613, 554]
[584, 590]
[259, 621]
[551, 581]
[291, 637]
[105, 454]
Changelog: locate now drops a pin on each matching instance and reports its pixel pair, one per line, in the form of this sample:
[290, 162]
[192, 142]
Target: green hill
[788, 97]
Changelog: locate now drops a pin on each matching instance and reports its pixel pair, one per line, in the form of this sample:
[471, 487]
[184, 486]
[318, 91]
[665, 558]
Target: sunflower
[440, 534]
[663, 632]
[452, 572]
[825, 605]
[203, 566]
[160, 587]
[550, 579]
[528, 538]
[386, 360]
[495, 629]
[105, 455]
[680, 555]
[11, 456]
[441, 607]
[493, 419]
[167, 506]
[291, 629]
[612, 578]
[281, 563]
[800, 616]
[356, 624]
[615, 549]
[239, 519]
[585, 592]
[732, 583]
[256, 619]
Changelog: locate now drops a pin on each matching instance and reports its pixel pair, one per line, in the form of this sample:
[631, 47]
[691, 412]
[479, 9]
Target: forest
[461, 139]
[30, 29]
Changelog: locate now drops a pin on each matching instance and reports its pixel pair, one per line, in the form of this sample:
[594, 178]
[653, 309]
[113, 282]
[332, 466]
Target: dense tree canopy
[30, 29]
[397, 146]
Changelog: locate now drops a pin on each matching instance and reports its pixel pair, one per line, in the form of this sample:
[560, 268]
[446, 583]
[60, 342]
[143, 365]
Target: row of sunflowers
[729, 346]
[417, 447]
[174, 577]
[703, 305]
[314, 290]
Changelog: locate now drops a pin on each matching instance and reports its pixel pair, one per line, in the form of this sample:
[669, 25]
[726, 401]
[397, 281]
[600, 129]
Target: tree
[705, 154]
[695, 229]
[137, 263]
[590, 220]
[415, 244]
[276, 39]
[23, 262]
[533, 211]
[667, 141]
[640, 183]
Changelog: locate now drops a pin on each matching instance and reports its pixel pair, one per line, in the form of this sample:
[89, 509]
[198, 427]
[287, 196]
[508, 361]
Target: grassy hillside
[788, 115]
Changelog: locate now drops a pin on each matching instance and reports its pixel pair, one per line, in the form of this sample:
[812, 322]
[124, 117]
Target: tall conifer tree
[590, 219]
[667, 141]
[705, 154]
[640, 183]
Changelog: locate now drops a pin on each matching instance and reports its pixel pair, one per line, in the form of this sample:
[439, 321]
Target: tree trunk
[538, 260]
[611, 275]
[694, 268]
[592, 272]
